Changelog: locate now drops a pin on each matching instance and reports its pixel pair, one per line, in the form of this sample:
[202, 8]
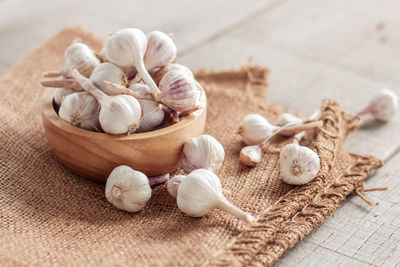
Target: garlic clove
[81, 110]
[119, 114]
[383, 106]
[201, 191]
[126, 48]
[160, 51]
[173, 184]
[128, 189]
[254, 129]
[59, 93]
[298, 164]
[77, 56]
[251, 155]
[108, 72]
[202, 152]
[179, 91]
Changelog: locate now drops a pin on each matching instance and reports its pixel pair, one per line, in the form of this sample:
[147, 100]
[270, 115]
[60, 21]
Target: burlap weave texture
[49, 216]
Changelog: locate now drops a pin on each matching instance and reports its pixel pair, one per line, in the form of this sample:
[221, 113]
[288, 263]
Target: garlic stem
[147, 78]
[228, 207]
[56, 73]
[124, 90]
[65, 83]
[135, 79]
[88, 85]
[295, 129]
[156, 180]
[298, 137]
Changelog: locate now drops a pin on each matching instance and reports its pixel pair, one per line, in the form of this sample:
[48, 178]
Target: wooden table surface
[345, 50]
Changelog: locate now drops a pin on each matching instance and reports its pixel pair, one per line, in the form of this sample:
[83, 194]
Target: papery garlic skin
[298, 164]
[202, 152]
[286, 118]
[160, 51]
[254, 129]
[60, 93]
[383, 106]
[251, 155]
[120, 114]
[201, 191]
[79, 56]
[179, 91]
[128, 189]
[80, 109]
[173, 184]
[108, 72]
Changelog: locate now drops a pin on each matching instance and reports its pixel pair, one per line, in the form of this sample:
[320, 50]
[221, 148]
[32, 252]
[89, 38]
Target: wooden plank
[24, 25]
[330, 49]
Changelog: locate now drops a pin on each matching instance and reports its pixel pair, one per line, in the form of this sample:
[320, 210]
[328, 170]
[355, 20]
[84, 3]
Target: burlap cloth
[49, 216]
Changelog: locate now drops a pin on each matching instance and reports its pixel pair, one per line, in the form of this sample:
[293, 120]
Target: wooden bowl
[94, 155]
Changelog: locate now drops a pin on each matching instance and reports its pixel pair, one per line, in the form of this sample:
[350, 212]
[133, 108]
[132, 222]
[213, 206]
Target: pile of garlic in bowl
[133, 85]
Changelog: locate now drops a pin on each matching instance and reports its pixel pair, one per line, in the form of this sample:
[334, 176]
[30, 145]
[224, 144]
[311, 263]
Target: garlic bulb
[286, 118]
[251, 155]
[202, 152]
[298, 164]
[81, 110]
[383, 106]
[201, 191]
[128, 189]
[119, 114]
[77, 56]
[160, 51]
[156, 180]
[173, 184]
[254, 129]
[152, 115]
[126, 48]
[179, 91]
[108, 72]
[59, 93]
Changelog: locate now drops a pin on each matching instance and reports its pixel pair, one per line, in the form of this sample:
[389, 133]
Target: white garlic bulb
[286, 118]
[108, 72]
[201, 191]
[152, 115]
[251, 155]
[126, 48]
[128, 189]
[202, 152]
[59, 93]
[298, 164]
[160, 51]
[80, 109]
[119, 114]
[179, 91]
[77, 56]
[173, 184]
[254, 129]
[383, 106]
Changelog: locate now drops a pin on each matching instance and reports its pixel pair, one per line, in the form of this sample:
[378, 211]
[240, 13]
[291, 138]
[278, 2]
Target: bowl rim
[50, 114]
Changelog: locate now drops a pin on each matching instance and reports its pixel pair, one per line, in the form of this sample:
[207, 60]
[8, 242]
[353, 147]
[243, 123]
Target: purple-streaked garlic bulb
[160, 51]
[179, 91]
[383, 106]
